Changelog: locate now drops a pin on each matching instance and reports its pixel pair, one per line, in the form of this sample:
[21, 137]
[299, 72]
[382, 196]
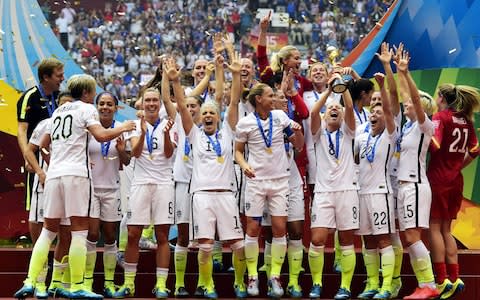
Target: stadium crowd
[121, 43]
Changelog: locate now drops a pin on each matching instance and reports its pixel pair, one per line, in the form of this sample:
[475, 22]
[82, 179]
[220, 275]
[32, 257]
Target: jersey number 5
[457, 134]
[63, 127]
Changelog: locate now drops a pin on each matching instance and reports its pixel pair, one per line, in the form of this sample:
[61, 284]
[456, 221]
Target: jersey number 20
[63, 127]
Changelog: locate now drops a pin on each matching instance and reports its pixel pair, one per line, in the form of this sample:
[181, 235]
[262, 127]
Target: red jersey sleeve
[436, 141]
[301, 109]
[263, 64]
[472, 144]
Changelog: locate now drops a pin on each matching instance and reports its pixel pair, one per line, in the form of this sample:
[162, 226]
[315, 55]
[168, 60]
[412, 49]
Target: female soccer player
[335, 204]
[152, 193]
[69, 182]
[106, 160]
[454, 145]
[214, 207]
[267, 183]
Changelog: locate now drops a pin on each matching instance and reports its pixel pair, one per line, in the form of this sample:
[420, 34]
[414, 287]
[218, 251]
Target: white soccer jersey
[266, 165]
[35, 139]
[244, 108]
[394, 160]
[182, 166]
[310, 98]
[295, 178]
[375, 153]
[415, 139]
[105, 163]
[154, 168]
[335, 174]
[70, 137]
[209, 171]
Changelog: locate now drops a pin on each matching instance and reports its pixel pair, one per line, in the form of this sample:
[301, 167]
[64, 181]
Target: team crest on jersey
[129, 214]
[175, 137]
[179, 213]
[247, 206]
[276, 121]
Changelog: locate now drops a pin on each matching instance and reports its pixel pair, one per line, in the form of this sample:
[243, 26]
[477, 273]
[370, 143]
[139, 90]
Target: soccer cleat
[315, 291]
[383, 294]
[41, 291]
[294, 291]
[217, 266]
[199, 292]
[445, 287]
[423, 293]
[25, 291]
[343, 294]
[240, 291]
[210, 293]
[396, 286]
[147, 244]
[367, 294]
[457, 287]
[124, 291]
[58, 292]
[84, 294]
[252, 287]
[181, 292]
[109, 290]
[275, 289]
[160, 293]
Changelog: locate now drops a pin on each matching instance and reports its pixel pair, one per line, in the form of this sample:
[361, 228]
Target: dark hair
[64, 94]
[115, 99]
[356, 87]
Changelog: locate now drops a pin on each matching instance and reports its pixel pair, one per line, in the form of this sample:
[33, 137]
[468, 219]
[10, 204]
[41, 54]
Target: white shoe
[147, 244]
[252, 288]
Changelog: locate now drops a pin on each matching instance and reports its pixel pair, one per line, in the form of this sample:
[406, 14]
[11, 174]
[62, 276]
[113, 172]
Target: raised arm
[166, 97]
[288, 87]
[123, 154]
[402, 68]
[173, 75]
[236, 90]
[386, 106]
[385, 57]
[297, 139]
[315, 118]
[168, 146]
[219, 80]
[264, 23]
[203, 84]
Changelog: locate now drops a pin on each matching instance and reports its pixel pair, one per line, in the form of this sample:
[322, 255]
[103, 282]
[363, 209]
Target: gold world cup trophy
[338, 86]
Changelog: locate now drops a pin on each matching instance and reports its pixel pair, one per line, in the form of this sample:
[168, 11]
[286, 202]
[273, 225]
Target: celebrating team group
[199, 165]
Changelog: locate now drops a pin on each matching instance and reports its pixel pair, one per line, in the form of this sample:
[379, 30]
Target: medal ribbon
[334, 151]
[216, 144]
[371, 155]
[268, 142]
[150, 137]
[106, 146]
[51, 105]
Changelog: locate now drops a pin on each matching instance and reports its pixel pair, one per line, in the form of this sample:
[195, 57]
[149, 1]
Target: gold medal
[269, 150]
[220, 159]
[396, 154]
[150, 156]
[185, 158]
[105, 158]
